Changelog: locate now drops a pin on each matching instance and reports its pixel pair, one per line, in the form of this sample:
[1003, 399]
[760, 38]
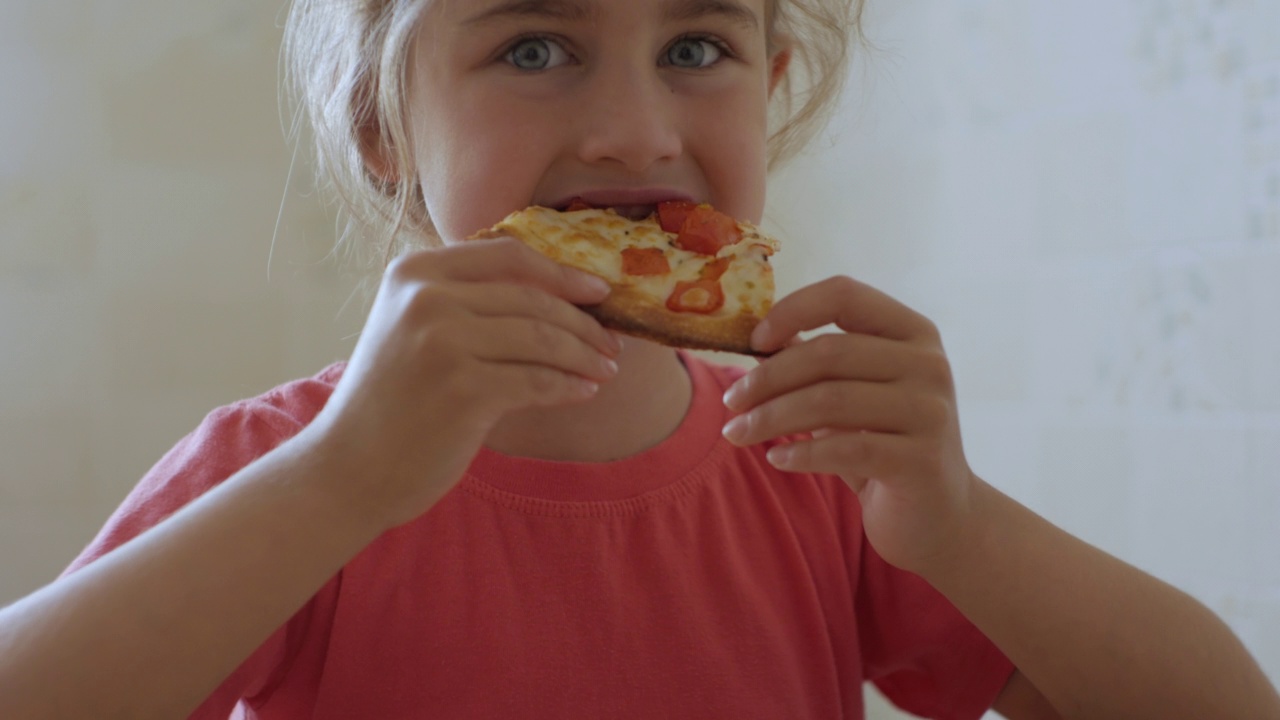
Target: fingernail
[736, 429]
[609, 366]
[760, 334]
[595, 284]
[780, 455]
[615, 342]
[733, 396]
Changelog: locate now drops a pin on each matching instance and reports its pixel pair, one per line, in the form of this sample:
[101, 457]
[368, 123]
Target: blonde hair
[345, 69]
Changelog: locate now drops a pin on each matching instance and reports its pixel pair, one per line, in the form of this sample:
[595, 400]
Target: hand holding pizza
[880, 403]
[457, 338]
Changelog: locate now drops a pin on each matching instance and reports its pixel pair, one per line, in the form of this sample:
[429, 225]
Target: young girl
[498, 509]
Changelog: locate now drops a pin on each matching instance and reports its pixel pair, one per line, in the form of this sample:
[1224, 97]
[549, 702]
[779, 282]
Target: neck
[639, 408]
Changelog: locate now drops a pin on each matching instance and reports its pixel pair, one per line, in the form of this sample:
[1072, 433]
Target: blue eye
[693, 53]
[537, 54]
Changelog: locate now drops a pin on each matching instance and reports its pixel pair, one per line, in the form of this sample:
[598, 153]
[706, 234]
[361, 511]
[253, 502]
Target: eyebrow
[576, 10]
[698, 9]
[550, 9]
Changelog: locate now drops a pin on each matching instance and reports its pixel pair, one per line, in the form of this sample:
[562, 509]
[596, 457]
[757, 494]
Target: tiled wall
[1084, 196]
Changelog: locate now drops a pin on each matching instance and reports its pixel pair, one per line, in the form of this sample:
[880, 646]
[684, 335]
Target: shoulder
[241, 431]
[234, 435]
[228, 439]
[284, 409]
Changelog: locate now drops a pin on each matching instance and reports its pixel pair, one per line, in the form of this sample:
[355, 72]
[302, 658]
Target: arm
[1097, 638]
[1020, 700]
[457, 338]
[220, 576]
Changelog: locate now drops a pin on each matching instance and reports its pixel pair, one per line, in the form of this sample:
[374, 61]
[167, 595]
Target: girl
[497, 508]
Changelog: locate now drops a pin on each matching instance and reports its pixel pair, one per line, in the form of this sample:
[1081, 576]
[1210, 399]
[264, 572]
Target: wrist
[970, 537]
[335, 470]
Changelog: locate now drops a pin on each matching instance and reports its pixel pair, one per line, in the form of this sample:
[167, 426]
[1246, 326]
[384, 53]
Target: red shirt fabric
[692, 580]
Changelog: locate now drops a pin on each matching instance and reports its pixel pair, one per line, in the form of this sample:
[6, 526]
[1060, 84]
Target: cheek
[733, 156]
[476, 167]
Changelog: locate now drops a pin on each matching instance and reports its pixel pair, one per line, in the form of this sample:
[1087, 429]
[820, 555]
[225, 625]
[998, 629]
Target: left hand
[880, 403]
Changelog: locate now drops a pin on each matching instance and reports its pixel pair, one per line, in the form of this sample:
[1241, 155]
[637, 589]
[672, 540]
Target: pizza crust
[585, 239]
[630, 312]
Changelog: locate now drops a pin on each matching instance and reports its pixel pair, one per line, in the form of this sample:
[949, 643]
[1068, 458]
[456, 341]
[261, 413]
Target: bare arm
[220, 575]
[1098, 637]
[457, 338]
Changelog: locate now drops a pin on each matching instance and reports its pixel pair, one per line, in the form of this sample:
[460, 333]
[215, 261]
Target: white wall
[1085, 197]
[142, 166]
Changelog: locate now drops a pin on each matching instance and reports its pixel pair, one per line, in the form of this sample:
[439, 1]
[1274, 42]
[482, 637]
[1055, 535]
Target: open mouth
[634, 211]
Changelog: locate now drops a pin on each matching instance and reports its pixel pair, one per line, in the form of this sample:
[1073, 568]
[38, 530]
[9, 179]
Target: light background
[1084, 196]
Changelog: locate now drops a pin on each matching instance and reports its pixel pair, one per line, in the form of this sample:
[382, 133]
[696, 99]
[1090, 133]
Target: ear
[376, 152]
[778, 63]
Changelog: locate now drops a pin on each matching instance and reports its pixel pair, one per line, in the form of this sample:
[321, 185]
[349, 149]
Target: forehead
[754, 13]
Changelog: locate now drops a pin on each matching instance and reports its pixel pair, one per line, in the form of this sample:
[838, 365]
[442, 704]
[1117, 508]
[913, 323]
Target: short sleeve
[916, 647]
[227, 440]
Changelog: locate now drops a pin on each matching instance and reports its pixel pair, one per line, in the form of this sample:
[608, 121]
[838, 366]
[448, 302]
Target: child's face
[624, 102]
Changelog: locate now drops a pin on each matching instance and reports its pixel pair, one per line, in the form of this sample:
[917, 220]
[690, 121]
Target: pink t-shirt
[690, 581]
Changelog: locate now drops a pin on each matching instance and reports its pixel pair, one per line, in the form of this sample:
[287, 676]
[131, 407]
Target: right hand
[457, 337]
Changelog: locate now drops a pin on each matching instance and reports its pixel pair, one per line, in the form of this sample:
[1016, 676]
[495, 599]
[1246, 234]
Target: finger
[794, 341]
[851, 455]
[507, 300]
[501, 260]
[533, 342]
[826, 357]
[853, 306]
[526, 385]
[841, 405]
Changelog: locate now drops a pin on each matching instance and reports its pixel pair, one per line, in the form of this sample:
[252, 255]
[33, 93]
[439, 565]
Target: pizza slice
[686, 276]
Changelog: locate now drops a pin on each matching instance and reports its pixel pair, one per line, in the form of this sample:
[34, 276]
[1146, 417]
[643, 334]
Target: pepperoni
[699, 296]
[705, 231]
[703, 295]
[577, 204]
[644, 261]
[714, 269]
[672, 214]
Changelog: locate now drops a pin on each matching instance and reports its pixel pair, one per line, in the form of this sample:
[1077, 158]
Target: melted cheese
[593, 240]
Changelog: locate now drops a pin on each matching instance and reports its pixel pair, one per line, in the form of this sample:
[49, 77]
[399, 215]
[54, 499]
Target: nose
[629, 117]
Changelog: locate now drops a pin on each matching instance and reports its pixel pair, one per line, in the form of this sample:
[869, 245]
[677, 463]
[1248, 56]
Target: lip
[615, 197]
